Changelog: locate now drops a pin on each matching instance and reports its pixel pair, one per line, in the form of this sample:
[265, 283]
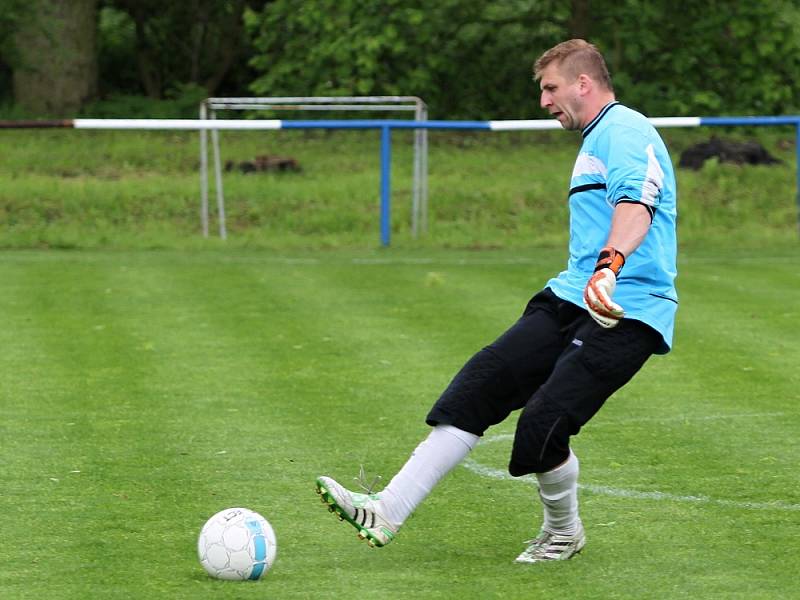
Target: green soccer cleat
[551, 546]
[360, 510]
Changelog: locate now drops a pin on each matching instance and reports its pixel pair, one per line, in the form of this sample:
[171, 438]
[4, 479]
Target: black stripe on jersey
[587, 186]
[664, 297]
[650, 209]
[588, 129]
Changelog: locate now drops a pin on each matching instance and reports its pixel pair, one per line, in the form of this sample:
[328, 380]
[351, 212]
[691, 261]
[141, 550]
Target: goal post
[210, 107]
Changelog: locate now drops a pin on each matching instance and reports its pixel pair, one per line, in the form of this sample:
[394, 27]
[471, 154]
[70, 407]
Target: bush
[182, 103]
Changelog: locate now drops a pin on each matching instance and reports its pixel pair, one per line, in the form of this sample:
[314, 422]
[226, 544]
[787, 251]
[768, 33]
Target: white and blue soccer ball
[237, 544]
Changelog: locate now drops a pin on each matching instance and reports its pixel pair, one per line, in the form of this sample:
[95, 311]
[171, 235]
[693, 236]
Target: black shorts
[558, 365]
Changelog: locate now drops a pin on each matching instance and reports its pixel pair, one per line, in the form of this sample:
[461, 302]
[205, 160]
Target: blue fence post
[386, 184]
[797, 175]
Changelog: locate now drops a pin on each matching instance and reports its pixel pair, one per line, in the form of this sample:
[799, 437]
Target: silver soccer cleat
[551, 546]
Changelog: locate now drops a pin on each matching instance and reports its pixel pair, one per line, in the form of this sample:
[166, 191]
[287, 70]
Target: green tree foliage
[12, 12]
[704, 58]
[473, 59]
[466, 59]
[172, 45]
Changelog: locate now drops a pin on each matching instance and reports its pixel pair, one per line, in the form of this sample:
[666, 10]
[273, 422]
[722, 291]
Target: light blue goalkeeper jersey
[623, 159]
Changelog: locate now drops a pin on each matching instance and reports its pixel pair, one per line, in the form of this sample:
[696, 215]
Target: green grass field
[153, 377]
[145, 390]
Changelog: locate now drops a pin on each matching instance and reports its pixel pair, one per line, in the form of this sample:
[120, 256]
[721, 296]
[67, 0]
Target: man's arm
[629, 226]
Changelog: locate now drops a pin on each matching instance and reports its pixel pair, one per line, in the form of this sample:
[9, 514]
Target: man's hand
[597, 297]
[598, 292]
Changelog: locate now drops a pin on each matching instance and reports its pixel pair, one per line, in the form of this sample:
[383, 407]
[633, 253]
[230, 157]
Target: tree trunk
[57, 70]
[230, 48]
[580, 22]
[146, 63]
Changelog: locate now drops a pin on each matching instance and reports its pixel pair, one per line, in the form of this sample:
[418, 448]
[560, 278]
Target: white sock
[558, 490]
[443, 449]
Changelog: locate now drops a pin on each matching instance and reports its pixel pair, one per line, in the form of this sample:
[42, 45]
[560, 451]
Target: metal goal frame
[210, 106]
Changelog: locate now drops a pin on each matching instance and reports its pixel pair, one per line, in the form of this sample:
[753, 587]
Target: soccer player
[579, 340]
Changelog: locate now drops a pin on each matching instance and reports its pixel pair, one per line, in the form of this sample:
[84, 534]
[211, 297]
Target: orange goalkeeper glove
[601, 286]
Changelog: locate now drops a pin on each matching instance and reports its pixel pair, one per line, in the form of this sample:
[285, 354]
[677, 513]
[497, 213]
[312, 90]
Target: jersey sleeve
[634, 173]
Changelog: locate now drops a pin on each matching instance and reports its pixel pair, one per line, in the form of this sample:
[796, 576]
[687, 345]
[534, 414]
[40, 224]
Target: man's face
[561, 98]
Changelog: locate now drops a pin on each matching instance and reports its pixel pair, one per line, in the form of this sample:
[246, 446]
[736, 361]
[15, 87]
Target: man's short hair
[573, 58]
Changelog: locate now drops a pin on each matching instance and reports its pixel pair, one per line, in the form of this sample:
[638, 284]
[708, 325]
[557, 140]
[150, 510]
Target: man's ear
[585, 83]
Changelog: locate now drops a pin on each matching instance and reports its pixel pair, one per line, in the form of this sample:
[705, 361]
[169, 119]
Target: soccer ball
[237, 543]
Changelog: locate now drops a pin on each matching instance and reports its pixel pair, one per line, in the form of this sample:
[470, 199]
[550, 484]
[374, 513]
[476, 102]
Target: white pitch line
[484, 471]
